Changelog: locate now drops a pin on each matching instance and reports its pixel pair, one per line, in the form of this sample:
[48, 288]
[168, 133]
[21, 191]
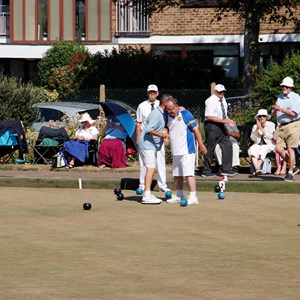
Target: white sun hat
[152, 87]
[86, 117]
[287, 81]
[220, 88]
[262, 112]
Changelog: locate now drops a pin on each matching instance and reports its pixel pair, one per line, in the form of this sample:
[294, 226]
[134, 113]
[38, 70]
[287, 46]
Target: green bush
[61, 67]
[16, 99]
[131, 68]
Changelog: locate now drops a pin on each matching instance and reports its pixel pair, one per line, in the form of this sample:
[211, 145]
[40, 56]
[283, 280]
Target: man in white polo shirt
[142, 113]
[215, 132]
[183, 132]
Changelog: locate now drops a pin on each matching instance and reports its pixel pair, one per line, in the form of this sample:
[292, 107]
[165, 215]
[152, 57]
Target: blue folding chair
[12, 138]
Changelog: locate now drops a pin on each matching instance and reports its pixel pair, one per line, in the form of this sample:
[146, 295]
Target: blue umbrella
[114, 109]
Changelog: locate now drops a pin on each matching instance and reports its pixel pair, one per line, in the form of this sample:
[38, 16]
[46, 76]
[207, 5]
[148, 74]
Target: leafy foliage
[61, 54]
[17, 98]
[278, 11]
[131, 68]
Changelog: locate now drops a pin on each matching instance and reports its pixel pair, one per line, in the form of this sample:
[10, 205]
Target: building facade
[28, 28]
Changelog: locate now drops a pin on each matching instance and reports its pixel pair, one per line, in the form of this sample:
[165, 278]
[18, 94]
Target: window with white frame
[132, 18]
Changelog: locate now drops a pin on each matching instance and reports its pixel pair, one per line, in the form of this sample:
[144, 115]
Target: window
[225, 55]
[131, 19]
[42, 20]
[80, 20]
[4, 18]
[60, 20]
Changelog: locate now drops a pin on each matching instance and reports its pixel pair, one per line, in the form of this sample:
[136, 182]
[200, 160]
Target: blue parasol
[123, 116]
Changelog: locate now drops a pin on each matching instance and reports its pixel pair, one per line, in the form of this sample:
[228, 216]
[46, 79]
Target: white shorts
[184, 165]
[149, 158]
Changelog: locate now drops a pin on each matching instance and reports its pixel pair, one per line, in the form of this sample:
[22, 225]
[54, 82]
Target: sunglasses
[261, 116]
[285, 87]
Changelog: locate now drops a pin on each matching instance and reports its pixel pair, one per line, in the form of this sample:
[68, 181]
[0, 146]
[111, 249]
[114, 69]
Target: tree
[253, 12]
[61, 54]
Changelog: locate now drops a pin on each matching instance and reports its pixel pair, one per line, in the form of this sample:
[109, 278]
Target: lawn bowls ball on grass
[217, 189]
[183, 202]
[169, 194]
[221, 195]
[117, 191]
[87, 206]
[139, 191]
[120, 196]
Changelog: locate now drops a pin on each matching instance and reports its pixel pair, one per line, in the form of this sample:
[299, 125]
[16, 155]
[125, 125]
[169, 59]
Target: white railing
[132, 19]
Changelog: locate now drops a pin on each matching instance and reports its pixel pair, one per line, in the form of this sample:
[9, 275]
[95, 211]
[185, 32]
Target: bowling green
[243, 247]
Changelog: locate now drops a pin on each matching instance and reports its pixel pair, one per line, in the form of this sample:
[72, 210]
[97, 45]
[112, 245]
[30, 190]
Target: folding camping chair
[12, 138]
[48, 144]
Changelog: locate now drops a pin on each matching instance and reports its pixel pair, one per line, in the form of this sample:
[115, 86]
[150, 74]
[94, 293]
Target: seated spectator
[262, 135]
[234, 135]
[112, 150]
[76, 150]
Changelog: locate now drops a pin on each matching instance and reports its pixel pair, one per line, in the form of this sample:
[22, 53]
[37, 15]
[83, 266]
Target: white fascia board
[38, 51]
[207, 39]
[271, 38]
[184, 39]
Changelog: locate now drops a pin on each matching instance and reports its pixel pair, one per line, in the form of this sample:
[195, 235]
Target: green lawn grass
[280, 187]
[243, 247]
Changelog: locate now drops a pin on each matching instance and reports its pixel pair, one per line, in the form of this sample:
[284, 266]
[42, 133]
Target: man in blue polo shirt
[150, 143]
[287, 112]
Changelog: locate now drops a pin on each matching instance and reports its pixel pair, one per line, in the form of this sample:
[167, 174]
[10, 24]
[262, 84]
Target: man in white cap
[215, 132]
[142, 113]
[287, 112]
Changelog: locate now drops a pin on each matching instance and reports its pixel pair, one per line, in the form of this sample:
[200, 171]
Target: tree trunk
[251, 46]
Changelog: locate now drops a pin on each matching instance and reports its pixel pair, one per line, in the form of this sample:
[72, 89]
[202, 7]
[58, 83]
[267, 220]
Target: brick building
[29, 27]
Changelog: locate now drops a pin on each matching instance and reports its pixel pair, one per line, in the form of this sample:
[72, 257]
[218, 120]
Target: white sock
[193, 194]
[147, 194]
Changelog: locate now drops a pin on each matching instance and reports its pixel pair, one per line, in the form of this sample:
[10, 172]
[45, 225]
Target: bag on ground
[59, 160]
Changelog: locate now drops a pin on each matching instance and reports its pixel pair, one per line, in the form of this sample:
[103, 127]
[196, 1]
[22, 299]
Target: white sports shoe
[175, 199]
[192, 200]
[164, 188]
[151, 200]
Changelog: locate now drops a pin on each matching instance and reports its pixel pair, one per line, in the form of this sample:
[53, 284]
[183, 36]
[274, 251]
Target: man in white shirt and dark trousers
[143, 110]
[215, 119]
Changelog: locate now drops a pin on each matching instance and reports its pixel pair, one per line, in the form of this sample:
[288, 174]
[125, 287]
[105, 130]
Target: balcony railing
[132, 20]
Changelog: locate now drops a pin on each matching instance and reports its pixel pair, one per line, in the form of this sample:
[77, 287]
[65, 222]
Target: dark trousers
[297, 157]
[216, 134]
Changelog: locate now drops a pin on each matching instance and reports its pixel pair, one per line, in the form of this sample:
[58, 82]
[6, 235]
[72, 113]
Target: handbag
[59, 160]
